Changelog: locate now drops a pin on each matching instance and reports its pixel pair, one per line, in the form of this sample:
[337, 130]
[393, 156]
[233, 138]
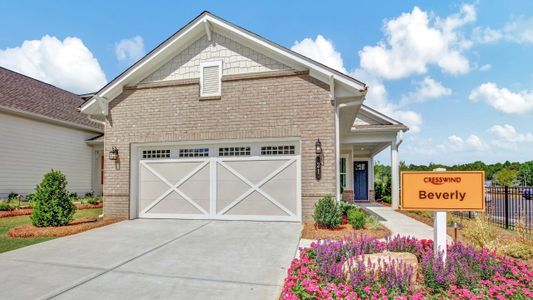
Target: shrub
[345, 206]
[4, 206]
[481, 233]
[93, 201]
[357, 218]
[387, 199]
[51, 204]
[89, 195]
[522, 249]
[74, 196]
[372, 223]
[327, 213]
[12, 196]
[29, 197]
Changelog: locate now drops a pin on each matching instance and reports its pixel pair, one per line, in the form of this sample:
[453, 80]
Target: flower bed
[28, 211]
[75, 226]
[338, 270]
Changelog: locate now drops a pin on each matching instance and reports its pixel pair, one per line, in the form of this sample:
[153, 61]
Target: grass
[8, 243]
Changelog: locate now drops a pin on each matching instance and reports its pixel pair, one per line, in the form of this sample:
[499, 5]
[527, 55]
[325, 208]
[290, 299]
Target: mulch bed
[312, 232]
[75, 226]
[27, 211]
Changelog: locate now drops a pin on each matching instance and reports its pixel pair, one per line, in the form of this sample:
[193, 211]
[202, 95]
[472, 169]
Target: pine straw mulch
[28, 211]
[312, 232]
[75, 226]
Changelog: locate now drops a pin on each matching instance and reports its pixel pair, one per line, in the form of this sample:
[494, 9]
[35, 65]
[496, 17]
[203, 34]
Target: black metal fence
[509, 207]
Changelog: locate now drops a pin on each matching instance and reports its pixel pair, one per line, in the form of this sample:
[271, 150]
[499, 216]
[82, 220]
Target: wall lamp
[113, 154]
[318, 160]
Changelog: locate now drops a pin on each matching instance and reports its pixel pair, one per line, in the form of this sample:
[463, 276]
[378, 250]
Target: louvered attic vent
[210, 79]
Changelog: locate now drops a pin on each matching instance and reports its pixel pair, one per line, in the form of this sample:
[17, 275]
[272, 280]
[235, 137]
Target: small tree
[506, 177]
[327, 213]
[51, 202]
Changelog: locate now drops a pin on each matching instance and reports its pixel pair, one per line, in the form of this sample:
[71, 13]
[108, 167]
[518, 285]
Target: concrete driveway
[155, 259]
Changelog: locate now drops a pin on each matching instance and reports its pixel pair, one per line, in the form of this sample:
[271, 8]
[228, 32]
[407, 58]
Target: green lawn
[7, 243]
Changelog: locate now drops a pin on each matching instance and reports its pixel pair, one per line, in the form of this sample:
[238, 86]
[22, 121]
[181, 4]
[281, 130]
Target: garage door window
[234, 151]
[194, 152]
[277, 150]
[160, 153]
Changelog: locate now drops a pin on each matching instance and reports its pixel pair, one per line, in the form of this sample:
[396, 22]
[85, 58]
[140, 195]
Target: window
[210, 78]
[234, 151]
[195, 152]
[156, 154]
[277, 150]
[342, 169]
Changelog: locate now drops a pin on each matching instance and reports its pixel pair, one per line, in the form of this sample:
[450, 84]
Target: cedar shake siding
[286, 105]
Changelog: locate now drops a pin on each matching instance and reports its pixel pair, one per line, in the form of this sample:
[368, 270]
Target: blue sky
[458, 73]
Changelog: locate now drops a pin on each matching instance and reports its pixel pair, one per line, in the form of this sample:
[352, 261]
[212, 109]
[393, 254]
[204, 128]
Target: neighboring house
[41, 129]
[220, 123]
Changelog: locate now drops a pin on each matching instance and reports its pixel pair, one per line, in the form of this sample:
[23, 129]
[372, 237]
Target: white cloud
[67, 64]
[426, 89]
[321, 50]
[130, 50]
[508, 133]
[485, 67]
[456, 143]
[518, 31]
[503, 99]
[415, 40]
[377, 98]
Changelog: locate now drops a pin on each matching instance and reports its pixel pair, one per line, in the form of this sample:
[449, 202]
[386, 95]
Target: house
[42, 129]
[220, 123]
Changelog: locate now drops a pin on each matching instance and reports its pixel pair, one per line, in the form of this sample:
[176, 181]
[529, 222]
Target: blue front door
[360, 180]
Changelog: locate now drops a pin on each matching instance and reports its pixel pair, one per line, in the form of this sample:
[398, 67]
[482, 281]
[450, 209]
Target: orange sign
[443, 191]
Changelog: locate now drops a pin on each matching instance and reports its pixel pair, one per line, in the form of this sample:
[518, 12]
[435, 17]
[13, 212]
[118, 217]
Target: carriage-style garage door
[226, 188]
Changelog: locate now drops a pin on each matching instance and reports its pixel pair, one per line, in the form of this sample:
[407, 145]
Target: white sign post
[439, 229]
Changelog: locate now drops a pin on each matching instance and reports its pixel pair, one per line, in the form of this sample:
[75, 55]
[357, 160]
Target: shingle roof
[25, 94]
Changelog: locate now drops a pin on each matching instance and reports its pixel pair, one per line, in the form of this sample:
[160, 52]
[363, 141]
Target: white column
[395, 174]
[337, 155]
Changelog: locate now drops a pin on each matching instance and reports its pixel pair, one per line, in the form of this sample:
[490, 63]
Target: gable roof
[24, 95]
[344, 85]
[369, 119]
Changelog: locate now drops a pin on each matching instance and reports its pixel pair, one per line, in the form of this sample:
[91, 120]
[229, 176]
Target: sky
[459, 74]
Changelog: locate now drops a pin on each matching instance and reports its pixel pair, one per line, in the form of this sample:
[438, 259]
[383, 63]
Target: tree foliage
[51, 202]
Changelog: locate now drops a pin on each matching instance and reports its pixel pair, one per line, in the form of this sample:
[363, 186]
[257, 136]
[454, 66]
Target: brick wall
[285, 106]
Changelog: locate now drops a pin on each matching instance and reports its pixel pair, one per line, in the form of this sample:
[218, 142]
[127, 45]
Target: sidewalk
[399, 223]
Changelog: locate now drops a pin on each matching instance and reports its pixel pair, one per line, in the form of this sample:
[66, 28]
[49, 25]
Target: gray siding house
[220, 123]
[42, 129]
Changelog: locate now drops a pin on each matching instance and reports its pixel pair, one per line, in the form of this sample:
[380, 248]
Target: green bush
[74, 196]
[89, 195]
[387, 199]
[5, 206]
[327, 213]
[93, 200]
[345, 206]
[357, 218]
[12, 196]
[51, 203]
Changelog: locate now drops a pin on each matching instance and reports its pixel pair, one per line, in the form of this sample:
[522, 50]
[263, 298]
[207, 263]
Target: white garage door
[244, 187]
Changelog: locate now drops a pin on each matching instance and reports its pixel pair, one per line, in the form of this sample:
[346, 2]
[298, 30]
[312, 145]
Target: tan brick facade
[282, 106]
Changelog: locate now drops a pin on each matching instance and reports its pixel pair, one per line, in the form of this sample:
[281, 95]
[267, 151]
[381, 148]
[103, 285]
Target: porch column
[395, 174]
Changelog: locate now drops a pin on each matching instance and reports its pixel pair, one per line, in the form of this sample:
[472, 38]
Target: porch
[370, 134]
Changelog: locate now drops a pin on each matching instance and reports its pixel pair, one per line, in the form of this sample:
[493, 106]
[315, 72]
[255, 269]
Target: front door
[360, 180]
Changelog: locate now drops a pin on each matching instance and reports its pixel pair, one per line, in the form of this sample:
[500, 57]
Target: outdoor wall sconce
[113, 154]
[318, 159]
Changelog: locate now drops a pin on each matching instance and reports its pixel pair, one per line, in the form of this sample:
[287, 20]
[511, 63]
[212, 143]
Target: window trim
[203, 65]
